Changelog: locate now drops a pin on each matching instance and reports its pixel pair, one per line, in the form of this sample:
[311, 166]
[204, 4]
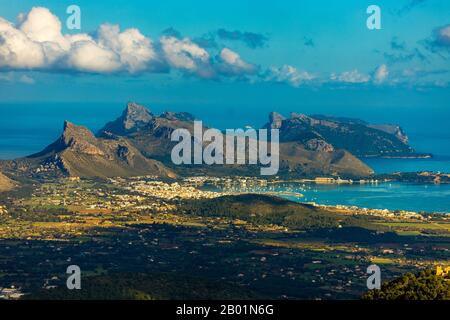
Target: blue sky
[240, 53]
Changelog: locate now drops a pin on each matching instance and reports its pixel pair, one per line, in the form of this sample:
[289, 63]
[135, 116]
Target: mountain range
[356, 136]
[138, 143]
[6, 184]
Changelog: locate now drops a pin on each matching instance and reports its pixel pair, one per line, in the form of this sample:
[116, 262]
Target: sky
[216, 53]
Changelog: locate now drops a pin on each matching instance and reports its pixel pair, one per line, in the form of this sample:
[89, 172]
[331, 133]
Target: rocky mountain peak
[135, 116]
[79, 139]
[300, 116]
[181, 116]
[73, 133]
[275, 120]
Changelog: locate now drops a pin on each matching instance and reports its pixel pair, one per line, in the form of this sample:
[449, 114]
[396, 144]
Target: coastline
[385, 195]
[355, 210]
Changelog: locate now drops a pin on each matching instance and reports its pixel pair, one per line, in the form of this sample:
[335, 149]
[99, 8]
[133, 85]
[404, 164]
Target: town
[149, 225]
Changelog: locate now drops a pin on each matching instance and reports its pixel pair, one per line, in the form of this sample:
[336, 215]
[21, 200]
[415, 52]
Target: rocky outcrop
[79, 153]
[318, 145]
[178, 116]
[152, 136]
[135, 117]
[356, 136]
[275, 120]
[393, 129]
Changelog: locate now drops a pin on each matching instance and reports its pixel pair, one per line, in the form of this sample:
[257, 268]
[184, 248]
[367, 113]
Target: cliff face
[79, 153]
[361, 138]
[152, 136]
[393, 129]
[303, 151]
[134, 118]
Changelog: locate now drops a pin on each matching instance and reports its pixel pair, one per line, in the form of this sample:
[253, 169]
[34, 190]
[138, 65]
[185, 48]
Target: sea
[27, 128]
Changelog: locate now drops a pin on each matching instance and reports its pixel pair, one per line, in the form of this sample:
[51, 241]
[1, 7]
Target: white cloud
[17, 50]
[37, 43]
[231, 63]
[353, 76]
[184, 54]
[442, 36]
[381, 74]
[88, 56]
[135, 51]
[41, 26]
[289, 74]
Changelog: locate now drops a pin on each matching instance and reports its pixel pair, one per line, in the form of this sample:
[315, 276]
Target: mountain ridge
[358, 137]
[77, 152]
[138, 142]
[299, 157]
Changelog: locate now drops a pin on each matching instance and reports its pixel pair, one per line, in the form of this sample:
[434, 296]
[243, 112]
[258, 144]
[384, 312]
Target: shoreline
[351, 209]
[247, 186]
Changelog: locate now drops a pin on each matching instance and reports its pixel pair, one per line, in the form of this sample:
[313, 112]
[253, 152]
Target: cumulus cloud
[88, 56]
[251, 39]
[187, 56]
[41, 26]
[133, 49]
[231, 63]
[441, 37]
[17, 50]
[353, 76]
[36, 42]
[381, 74]
[288, 74]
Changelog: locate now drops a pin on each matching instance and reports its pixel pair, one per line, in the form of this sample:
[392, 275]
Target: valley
[144, 238]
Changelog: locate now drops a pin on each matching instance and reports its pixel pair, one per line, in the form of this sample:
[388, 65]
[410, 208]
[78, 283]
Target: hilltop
[358, 137]
[264, 209]
[77, 152]
[146, 131]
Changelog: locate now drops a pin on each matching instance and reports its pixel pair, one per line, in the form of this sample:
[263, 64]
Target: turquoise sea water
[392, 196]
[437, 163]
